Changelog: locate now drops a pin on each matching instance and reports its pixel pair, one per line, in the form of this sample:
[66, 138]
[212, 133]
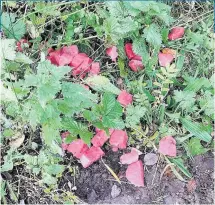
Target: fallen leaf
[176, 33]
[150, 159]
[135, 173]
[124, 98]
[16, 143]
[112, 52]
[167, 146]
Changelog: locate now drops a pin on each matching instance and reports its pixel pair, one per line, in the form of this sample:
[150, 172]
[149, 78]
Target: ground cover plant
[120, 87]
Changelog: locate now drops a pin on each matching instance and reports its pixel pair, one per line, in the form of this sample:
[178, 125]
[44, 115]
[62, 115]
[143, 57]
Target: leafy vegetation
[41, 97]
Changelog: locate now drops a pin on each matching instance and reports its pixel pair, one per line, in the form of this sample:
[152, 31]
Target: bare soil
[95, 185]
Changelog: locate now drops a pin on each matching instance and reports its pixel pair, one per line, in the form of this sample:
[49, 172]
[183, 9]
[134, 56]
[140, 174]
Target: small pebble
[115, 191]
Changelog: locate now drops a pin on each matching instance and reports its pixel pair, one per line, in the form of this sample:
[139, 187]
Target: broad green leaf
[152, 35]
[7, 49]
[47, 91]
[13, 29]
[139, 47]
[195, 147]
[90, 115]
[116, 111]
[113, 123]
[48, 179]
[69, 139]
[54, 169]
[22, 58]
[116, 9]
[8, 133]
[49, 134]
[196, 129]
[102, 84]
[108, 102]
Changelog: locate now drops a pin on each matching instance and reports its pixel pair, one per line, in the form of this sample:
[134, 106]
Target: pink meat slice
[125, 98]
[135, 65]
[167, 146]
[95, 68]
[99, 139]
[90, 156]
[118, 139]
[112, 52]
[165, 59]
[176, 33]
[135, 173]
[130, 157]
[78, 60]
[77, 148]
[130, 53]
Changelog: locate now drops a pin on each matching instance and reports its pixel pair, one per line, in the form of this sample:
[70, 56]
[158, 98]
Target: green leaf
[134, 114]
[196, 129]
[121, 66]
[69, 139]
[139, 47]
[11, 28]
[90, 115]
[102, 84]
[196, 84]
[48, 179]
[78, 95]
[54, 169]
[113, 123]
[108, 102]
[22, 58]
[8, 49]
[195, 147]
[76, 128]
[47, 91]
[17, 30]
[179, 163]
[186, 99]
[116, 9]
[152, 35]
[8, 133]
[50, 133]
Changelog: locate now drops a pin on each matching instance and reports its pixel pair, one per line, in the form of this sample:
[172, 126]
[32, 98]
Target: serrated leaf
[196, 129]
[152, 35]
[108, 102]
[54, 169]
[11, 28]
[195, 147]
[139, 47]
[7, 47]
[22, 58]
[113, 123]
[101, 83]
